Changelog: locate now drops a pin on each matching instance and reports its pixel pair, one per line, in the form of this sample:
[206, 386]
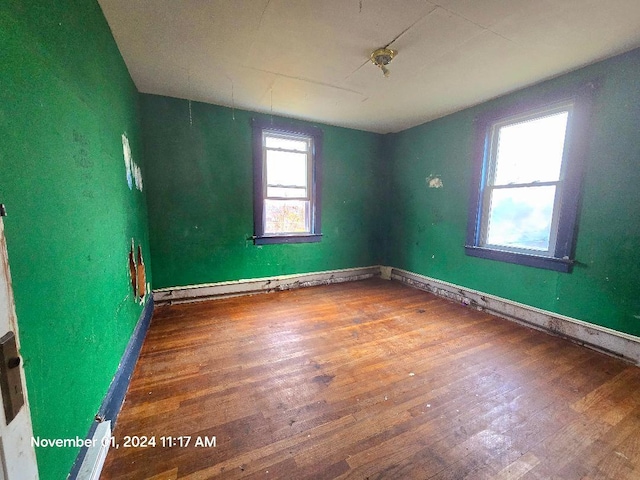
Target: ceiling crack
[306, 80]
[263, 12]
[483, 27]
[411, 26]
[352, 73]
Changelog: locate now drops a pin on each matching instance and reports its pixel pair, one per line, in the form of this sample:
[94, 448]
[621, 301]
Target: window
[527, 180]
[286, 183]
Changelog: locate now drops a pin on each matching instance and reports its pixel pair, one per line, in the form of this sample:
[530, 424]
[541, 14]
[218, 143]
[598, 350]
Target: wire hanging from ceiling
[190, 95]
[233, 96]
[233, 103]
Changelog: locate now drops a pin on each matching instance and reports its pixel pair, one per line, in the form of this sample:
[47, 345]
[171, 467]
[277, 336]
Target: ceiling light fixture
[382, 57]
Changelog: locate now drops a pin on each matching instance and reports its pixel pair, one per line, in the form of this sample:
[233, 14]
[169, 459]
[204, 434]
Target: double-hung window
[526, 188]
[286, 183]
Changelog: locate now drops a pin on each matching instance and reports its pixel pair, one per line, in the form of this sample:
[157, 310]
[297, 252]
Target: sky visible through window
[521, 209]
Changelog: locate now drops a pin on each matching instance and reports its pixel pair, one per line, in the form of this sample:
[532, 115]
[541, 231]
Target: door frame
[17, 454]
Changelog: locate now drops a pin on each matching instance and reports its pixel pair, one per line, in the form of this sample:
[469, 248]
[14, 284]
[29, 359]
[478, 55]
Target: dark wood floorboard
[371, 380]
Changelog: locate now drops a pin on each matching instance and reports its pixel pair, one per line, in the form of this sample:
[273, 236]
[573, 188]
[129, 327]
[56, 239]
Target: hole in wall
[434, 181]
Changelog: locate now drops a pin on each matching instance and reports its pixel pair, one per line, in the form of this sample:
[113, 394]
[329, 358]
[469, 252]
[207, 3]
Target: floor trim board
[603, 339]
[210, 291]
[112, 402]
[594, 336]
[114, 398]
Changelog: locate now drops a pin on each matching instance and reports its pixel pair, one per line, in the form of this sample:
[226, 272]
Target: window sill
[537, 261]
[273, 239]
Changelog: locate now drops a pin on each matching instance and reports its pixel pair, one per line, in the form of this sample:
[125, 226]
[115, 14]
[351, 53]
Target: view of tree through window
[285, 216]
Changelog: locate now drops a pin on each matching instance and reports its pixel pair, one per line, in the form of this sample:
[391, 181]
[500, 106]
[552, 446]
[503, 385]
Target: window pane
[521, 217]
[280, 192]
[286, 216]
[531, 151]
[286, 143]
[285, 168]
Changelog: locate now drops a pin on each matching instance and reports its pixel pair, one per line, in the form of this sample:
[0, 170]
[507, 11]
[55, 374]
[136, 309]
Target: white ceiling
[309, 58]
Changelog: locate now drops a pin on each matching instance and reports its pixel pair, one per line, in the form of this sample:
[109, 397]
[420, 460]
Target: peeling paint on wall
[137, 175]
[434, 181]
[134, 174]
[126, 150]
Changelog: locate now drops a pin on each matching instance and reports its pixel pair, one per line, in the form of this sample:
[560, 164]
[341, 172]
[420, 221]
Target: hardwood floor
[371, 380]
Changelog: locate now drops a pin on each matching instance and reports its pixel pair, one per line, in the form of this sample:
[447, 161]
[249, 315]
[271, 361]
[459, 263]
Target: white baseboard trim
[594, 336]
[210, 291]
[96, 453]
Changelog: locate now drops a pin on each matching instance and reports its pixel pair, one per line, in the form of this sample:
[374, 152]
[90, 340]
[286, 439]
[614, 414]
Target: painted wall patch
[134, 174]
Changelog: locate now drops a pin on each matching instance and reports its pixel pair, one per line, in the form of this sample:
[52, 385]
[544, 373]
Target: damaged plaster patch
[434, 181]
[126, 150]
[134, 174]
[137, 175]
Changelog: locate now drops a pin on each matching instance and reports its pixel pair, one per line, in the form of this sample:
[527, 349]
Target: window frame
[259, 127]
[561, 256]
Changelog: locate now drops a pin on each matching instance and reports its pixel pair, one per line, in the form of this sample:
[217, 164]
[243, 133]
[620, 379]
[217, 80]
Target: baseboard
[113, 400]
[210, 291]
[594, 336]
[96, 454]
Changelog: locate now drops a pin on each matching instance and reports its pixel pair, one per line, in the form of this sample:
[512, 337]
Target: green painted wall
[429, 225]
[65, 100]
[200, 198]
